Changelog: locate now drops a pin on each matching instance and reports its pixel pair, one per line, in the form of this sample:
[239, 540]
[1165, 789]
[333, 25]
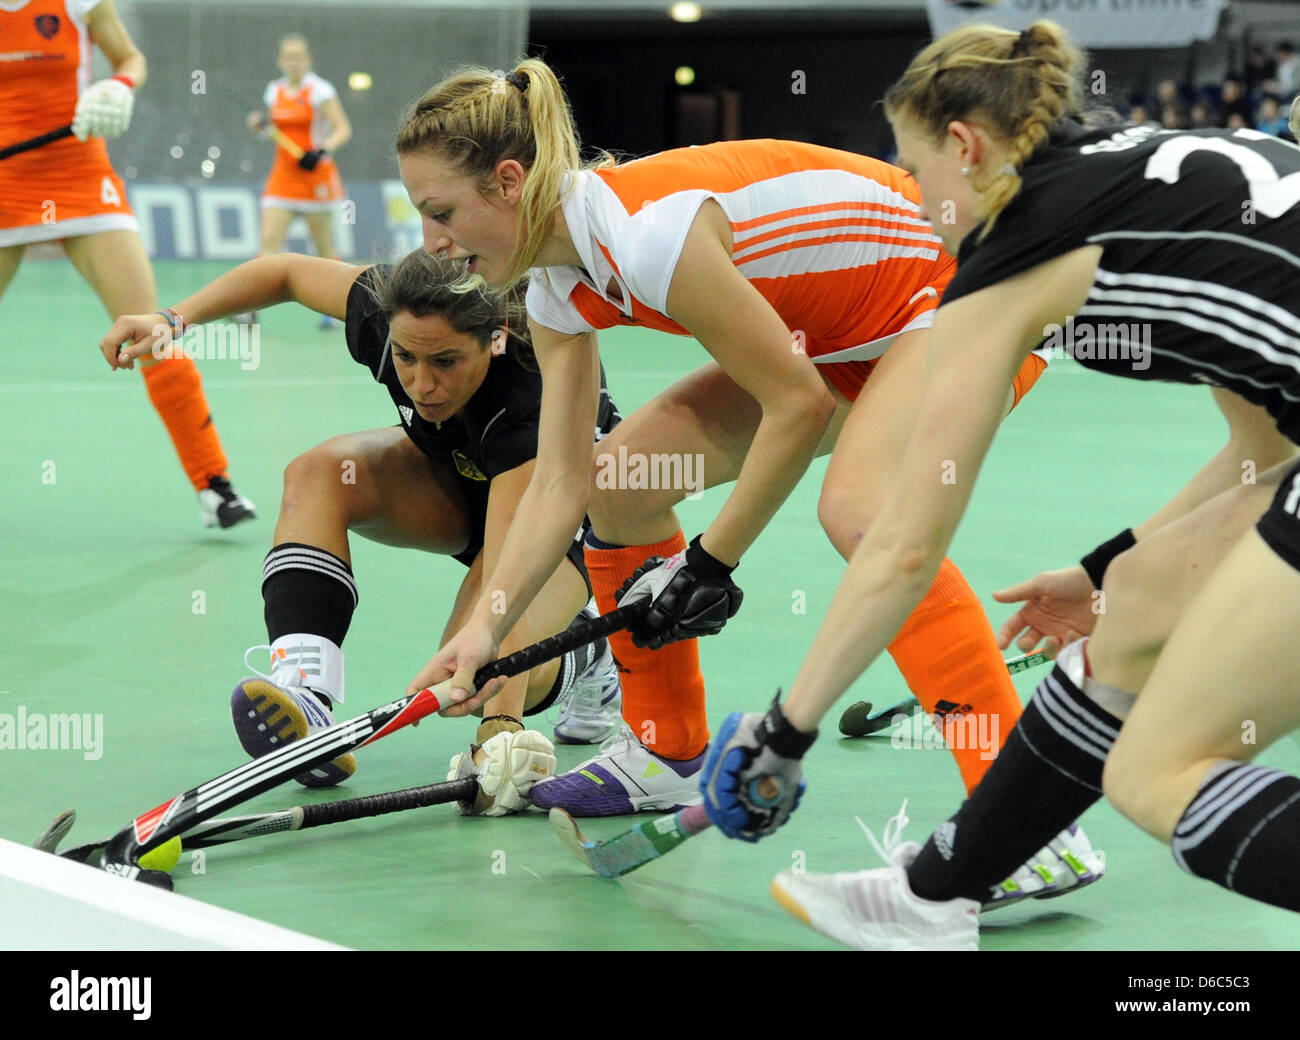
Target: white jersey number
[108, 194]
[1271, 195]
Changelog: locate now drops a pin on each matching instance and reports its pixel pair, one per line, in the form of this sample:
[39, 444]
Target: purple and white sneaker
[626, 777]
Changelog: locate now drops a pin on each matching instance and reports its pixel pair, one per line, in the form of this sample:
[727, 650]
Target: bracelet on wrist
[124, 79]
[173, 319]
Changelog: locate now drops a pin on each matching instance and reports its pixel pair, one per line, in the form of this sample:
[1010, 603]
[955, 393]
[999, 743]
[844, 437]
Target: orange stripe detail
[794, 229]
[799, 211]
[836, 238]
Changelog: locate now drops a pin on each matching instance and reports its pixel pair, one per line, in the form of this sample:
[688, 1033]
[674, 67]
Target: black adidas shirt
[494, 433]
[1201, 237]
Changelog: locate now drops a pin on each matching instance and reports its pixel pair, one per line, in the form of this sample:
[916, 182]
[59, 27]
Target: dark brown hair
[423, 285]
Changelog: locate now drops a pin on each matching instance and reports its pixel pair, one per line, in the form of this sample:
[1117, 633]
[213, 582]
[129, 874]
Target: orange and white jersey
[295, 111]
[832, 240]
[66, 188]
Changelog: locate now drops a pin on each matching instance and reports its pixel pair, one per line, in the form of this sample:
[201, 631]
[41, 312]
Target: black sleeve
[367, 328]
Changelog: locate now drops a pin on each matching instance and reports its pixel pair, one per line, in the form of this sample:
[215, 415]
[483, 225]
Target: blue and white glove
[104, 109]
[752, 780]
[691, 594]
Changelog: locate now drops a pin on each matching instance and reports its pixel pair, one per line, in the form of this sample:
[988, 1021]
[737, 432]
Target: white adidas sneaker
[876, 909]
[1064, 865]
[270, 711]
[626, 777]
[592, 710]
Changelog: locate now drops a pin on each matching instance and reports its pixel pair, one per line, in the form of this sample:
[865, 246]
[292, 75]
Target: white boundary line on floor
[135, 902]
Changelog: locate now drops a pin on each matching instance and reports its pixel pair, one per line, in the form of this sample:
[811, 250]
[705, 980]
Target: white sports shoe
[624, 778]
[876, 909]
[222, 506]
[1065, 864]
[592, 710]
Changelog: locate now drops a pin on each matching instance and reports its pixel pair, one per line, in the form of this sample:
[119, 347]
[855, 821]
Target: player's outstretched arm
[320, 284]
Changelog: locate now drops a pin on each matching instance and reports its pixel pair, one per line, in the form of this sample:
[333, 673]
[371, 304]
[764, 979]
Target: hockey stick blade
[633, 848]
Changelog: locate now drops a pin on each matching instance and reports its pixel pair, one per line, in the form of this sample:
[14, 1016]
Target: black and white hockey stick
[299, 818]
[185, 811]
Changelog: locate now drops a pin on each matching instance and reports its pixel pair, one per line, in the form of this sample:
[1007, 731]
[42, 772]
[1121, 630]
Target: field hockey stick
[185, 811]
[647, 841]
[284, 141]
[299, 818]
[858, 720]
[36, 142]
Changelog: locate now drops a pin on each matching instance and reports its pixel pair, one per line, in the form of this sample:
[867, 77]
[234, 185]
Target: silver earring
[965, 171]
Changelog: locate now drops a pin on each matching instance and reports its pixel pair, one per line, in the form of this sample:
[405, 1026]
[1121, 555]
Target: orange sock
[947, 652]
[177, 394]
[663, 690]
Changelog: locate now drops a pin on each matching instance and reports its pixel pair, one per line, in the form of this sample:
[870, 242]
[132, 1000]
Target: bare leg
[275, 226]
[10, 258]
[321, 226]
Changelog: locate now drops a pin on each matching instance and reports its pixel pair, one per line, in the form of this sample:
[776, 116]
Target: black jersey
[495, 432]
[1199, 278]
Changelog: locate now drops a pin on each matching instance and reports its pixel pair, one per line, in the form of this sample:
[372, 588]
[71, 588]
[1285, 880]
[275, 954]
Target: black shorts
[1280, 526]
[476, 498]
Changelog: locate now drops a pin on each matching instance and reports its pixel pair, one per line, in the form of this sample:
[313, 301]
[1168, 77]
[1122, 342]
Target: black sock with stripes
[1045, 776]
[305, 589]
[1242, 831]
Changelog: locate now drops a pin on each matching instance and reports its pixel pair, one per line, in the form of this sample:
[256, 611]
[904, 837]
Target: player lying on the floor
[458, 366]
[1055, 223]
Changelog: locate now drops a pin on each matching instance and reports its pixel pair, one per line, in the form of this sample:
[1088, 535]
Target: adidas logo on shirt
[408, 413]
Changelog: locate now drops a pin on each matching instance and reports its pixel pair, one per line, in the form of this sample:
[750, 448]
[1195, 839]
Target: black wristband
[703, 564]
[782, 737]
[1096, 562]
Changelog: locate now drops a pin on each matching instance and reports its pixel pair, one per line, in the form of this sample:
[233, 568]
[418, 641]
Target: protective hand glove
[310, 160]
[752, 780]
[104, 110]
[690, 594]
[511, 763]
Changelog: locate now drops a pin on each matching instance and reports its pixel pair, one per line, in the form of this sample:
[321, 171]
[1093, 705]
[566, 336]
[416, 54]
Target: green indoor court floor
[115, 602]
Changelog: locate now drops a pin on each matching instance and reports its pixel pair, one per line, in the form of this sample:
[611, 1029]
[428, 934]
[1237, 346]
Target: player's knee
[321, 473]
[1128, 783]
[845, 512]
[1133, 616]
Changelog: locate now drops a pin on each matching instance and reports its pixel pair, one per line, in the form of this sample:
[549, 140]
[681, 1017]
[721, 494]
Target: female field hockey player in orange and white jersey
[299, 104]
[810, 275]
[67, 191]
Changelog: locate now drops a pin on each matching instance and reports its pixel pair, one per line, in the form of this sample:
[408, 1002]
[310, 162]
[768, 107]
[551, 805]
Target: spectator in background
[1260, 69]
[1201, 118]
[1171, 118]
[1270, 119]
[1137, 115]
[1293, 120]
[1287, 74]
[1168, 95]
[1234, 103]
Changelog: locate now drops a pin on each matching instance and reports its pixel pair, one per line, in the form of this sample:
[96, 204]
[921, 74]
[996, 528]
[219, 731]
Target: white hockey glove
[511, 764]
[104, 110]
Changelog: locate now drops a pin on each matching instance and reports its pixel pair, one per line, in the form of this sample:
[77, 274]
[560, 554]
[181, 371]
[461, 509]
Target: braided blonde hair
[476, 118]
[1018, 85]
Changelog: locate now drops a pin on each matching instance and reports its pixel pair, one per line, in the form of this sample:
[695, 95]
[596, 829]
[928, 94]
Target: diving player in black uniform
[1184, 249]
[458, 366]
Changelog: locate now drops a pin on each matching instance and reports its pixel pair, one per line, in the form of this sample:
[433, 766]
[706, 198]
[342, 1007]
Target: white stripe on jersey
[847, 215]
[1181, 304]
[812, 234]
[1222, 236]
[1199, 323]
[1251, 305]
[834, 256]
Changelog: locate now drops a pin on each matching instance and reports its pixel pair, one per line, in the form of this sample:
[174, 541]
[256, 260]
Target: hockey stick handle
[284, 141]
[301, 817]
[185, 811]
[36, 142]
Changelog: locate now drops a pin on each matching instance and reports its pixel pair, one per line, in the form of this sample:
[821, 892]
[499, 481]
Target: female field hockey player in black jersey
[1189, 240]
[457, 365]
